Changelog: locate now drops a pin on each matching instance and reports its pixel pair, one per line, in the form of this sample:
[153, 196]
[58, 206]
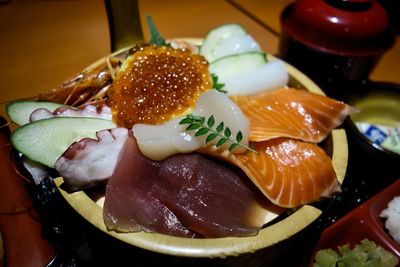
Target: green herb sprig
[203, 127]
[216, 85]
[155, 36]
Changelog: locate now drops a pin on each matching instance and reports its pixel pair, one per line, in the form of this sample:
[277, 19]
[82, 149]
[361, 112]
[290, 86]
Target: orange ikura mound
[156, 84]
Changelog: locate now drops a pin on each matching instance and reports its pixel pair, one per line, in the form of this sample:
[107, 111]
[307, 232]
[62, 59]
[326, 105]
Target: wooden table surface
[45, 42]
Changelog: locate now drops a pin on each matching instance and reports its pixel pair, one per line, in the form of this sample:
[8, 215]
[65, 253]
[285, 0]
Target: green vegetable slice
[44, 141]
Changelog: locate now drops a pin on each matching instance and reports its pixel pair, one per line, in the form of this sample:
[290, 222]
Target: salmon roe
[156, 84]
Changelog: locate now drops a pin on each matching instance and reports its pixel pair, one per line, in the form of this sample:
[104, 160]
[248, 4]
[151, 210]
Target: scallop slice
[158, 142]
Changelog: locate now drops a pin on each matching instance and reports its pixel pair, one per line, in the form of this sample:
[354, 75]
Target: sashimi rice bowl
[190, 147]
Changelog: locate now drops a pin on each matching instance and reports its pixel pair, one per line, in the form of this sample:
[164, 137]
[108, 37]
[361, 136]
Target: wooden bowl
[90, 206]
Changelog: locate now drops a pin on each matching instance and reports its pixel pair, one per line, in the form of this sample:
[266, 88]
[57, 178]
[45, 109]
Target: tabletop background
[45, 42]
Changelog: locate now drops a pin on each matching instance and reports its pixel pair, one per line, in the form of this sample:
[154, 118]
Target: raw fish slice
[185, 195]
[289, 172]
[129, 205]
[211, 199]
[291, 113]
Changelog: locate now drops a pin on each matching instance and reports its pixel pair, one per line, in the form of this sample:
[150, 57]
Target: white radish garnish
[269, 76]
[236, 44]
[229, 39]
[158, 142]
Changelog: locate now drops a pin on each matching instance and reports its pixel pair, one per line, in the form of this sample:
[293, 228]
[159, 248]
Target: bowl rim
[369, 87]
[226, 246]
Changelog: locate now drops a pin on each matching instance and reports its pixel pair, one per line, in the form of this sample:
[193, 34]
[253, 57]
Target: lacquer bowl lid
[341, 27]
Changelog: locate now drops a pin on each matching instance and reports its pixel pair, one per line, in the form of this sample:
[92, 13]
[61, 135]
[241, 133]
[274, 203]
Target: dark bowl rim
[362, 92]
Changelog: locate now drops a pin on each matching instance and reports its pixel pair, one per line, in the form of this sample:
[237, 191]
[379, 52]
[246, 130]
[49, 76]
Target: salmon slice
[288, 172]
[292, 113]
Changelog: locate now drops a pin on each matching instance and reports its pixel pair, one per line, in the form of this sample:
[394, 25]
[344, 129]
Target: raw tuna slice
[185, 195]
[130, 205]
[209, 198]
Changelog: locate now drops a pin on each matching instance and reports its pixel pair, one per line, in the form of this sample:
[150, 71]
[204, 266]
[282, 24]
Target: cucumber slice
[44, 141]
[235, 65]
[216, 36]
[20, 111]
